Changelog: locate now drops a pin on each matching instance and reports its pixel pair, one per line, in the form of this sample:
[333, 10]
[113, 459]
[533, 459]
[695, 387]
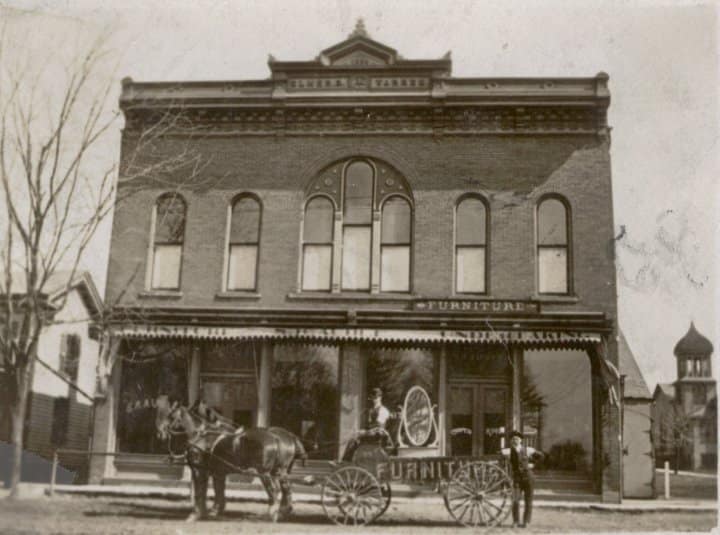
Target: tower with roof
[694, 396]
[694, 386]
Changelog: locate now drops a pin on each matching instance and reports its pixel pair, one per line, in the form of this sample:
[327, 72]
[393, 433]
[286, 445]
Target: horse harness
[194, 443]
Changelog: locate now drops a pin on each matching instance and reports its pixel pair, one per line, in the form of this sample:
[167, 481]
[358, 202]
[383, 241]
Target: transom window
[471, 231]
[243, 243]
[167, 244]
[553, 247]
[357, 230]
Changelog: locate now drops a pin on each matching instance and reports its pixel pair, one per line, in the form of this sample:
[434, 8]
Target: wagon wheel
[353, 496]
[479, 494]
[387, 496]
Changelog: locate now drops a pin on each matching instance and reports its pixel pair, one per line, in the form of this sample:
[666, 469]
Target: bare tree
[56, 189]
[677, 432]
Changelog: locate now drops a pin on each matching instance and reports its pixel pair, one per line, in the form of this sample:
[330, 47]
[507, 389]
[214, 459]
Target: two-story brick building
[365, 220]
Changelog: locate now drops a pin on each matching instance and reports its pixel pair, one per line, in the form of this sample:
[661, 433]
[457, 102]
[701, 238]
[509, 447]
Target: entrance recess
[234, 398]
[479, 416]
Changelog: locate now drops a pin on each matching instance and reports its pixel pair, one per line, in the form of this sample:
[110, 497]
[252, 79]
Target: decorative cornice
[438, 120]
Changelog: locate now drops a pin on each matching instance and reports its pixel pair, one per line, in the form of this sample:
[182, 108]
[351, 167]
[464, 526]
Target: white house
[63, 384]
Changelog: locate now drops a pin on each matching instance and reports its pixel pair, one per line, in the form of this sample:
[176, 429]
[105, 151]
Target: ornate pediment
[356, 53]
[359, 50]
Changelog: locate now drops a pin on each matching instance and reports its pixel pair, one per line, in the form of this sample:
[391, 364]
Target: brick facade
[511, 172]
[512, 142]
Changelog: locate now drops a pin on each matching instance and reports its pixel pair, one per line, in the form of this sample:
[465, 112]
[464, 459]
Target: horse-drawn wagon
[477, 491]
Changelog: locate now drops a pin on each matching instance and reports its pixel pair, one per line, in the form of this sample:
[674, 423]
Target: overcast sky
[662, 58]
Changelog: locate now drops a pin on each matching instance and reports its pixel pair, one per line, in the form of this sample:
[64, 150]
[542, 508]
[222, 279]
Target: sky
[662, 58]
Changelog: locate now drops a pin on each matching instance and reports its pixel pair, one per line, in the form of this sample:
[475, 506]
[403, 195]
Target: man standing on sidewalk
[522, 476]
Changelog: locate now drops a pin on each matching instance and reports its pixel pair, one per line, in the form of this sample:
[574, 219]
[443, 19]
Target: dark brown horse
[217, 449]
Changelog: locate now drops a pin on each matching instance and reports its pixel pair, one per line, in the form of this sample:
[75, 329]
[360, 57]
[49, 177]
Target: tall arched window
[471, 246]
[243, 244]
[395, 245]
[553, 247]
[357, 229]
[357, 226]
[318, 244]
[168, 238]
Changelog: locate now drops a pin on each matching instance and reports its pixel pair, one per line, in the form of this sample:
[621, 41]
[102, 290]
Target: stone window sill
[230, 295]
[354, 297]
[161, 294]
[561, 299]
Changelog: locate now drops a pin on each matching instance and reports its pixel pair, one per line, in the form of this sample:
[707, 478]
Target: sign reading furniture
[475, 306]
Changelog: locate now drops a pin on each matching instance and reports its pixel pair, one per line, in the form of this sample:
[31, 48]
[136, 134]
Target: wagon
[477, 491]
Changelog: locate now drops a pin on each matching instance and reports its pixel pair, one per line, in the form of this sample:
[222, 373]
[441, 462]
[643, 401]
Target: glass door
[477, 419]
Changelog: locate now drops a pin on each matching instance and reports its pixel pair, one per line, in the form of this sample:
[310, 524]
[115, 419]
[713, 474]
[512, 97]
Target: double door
[479, 418]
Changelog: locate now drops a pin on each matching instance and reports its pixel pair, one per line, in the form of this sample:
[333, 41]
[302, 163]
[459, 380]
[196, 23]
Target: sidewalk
[29, 490]
[687, 473]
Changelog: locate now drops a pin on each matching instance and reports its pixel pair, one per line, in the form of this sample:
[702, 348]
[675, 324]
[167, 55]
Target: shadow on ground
[181, 513]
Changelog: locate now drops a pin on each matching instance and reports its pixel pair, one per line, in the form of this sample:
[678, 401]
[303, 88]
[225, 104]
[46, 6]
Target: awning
[400, 336]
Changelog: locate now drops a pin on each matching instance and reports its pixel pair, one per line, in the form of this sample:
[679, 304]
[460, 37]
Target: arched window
[243, 244]
[471, 230]
[168, 238]
[357, 229]
[357, 226]
[395, 245]
[553, 250]
[318, 244]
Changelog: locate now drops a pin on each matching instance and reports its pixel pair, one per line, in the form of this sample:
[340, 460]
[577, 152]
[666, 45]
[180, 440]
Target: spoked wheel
[352, 496]
[479, 494]
[387, 496]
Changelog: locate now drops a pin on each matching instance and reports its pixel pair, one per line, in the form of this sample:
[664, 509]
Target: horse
[218, 449]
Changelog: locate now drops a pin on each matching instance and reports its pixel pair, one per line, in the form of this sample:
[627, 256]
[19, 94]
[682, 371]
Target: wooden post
[194, 375]
[265, 385]
[53, 474]
[442, 398]
[516, 353]
[666, 473]
[352, 393]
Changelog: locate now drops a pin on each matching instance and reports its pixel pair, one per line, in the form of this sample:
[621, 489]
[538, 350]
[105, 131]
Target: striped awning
[399, 336]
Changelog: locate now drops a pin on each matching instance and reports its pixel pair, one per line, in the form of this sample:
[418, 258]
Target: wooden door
[478, 418]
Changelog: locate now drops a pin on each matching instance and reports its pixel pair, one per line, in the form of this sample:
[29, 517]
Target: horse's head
[170, 420]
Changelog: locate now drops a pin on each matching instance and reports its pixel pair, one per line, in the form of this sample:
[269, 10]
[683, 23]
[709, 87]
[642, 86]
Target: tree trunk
[677, 459]
[18, 411]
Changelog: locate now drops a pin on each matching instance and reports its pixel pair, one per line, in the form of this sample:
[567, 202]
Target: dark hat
[375, 393]
[516, 434]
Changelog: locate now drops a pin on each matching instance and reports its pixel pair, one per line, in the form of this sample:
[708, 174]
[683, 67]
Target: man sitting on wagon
[378, 416]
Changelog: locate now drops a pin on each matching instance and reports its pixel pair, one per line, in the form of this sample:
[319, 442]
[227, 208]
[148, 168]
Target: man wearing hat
[378, 415]
[522, 476]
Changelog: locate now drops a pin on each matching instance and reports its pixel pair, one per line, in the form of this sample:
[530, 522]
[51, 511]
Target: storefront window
[395, 371]
[557, 408]
[305, 396]
[149, 370]
[230, 372]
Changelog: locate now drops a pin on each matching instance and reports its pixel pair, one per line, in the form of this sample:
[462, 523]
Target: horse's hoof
[274, 513]
[215, 513]
[285, 512]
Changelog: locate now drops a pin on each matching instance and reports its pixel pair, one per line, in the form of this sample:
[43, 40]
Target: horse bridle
[175, 429]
